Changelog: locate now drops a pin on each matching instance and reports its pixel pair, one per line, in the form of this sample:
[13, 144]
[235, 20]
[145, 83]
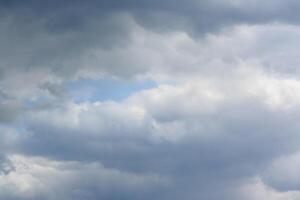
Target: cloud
[256, 189]
[281, 173]
[5, 166]
[220, 120]
[36, 178]
[196, 134]
[61, 37]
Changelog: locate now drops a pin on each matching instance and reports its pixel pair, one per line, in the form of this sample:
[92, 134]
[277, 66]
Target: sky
[149, 99]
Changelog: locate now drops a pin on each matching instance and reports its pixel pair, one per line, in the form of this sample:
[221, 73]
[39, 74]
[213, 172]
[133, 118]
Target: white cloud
[225, 108]
[37, 177]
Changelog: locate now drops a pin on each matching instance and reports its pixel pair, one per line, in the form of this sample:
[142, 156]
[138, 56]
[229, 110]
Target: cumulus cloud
[282, 175]
[219, 122]
[197, 134]
[60, 37]
[36, 178]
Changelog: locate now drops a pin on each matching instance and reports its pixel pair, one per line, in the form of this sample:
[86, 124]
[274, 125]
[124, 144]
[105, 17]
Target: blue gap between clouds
[105, 89]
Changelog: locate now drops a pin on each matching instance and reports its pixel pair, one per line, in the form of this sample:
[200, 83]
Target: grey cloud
[9, 108]
[205, 15]
[31, 45]
[73, 180]
[282, 174]
[56, 34]
[6, 166]
[71, 39]
[116, 142]
[218, 148]
[207, 138]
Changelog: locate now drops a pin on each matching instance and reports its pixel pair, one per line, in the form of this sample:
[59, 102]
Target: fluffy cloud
[220, 122]
[198, 134]
[282, 175]
[36, 178]
[61, 38]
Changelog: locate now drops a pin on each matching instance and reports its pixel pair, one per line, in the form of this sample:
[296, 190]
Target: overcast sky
[149, 99]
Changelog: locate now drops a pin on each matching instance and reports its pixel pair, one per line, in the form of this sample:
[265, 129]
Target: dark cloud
[57, 34]
[204, 15]
[6, 166]
[9, 108]
[61, 37]
[224, 110]
[217, 149]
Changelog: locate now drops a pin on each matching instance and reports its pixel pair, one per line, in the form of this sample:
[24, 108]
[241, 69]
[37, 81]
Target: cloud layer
[209, 106]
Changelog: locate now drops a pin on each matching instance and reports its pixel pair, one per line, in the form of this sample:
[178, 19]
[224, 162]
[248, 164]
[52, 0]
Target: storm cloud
[149, 100]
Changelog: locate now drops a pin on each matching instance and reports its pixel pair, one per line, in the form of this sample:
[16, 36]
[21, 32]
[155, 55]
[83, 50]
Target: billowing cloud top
[140, 99]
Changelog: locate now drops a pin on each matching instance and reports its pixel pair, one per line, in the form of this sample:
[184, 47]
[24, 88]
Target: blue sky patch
[105, 89]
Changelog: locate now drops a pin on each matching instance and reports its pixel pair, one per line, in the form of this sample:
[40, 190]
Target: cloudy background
[151, 99]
